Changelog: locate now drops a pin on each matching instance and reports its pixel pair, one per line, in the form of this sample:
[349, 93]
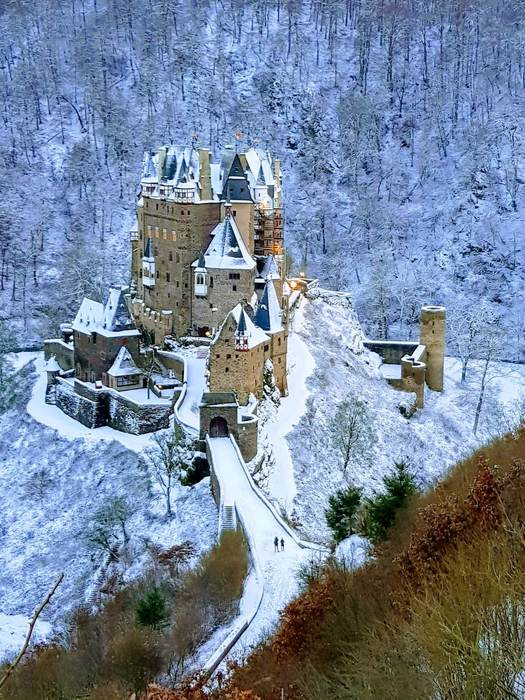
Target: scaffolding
[268, 231]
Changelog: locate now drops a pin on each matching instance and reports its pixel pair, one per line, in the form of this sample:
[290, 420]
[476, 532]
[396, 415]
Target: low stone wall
[89, 413]
[62, 351]
[97, 407]
[247, 437]
[392, 351]
[171, 361]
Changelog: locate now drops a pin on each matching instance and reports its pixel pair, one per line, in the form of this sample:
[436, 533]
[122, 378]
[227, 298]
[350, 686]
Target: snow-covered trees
[399, 127]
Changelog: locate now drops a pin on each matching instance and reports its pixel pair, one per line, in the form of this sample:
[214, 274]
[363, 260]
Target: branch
[30, 630]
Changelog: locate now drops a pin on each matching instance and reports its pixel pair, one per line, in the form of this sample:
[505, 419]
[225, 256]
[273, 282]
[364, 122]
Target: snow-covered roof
[227, 249]
[268, 315]
[270, 269]
[52, 365]
[111, 319]
[259, 167]
[123, 366]
[254, 335]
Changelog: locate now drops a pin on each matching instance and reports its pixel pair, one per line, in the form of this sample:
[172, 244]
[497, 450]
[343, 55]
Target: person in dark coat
[276, 544]
[282, 544]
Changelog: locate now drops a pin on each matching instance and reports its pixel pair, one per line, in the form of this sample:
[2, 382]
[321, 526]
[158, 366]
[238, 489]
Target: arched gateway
[219, 427]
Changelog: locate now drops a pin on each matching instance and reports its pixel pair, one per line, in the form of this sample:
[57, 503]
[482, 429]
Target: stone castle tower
[184, 201]
[432, 335]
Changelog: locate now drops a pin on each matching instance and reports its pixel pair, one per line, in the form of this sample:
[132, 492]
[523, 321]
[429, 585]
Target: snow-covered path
[301, 364]
[188, 411]
[278, 569]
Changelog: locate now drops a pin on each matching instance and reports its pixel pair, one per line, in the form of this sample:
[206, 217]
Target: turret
[201, 274]
[148, 265]
[241, 334]
[432, 335]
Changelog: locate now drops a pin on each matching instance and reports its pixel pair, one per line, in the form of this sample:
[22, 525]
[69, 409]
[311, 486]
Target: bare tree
[30, 631]
[165, 460]
[352, 430]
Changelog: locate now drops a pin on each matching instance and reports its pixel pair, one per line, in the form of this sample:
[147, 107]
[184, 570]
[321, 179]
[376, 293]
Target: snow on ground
[13, 631]
[188, 412]
[54, 475]
[279, 569]
[281, 484]
[432, 440]
[52, 417]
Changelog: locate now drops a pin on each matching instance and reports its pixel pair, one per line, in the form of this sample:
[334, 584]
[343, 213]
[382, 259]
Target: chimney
[205, 173]
[161, 157]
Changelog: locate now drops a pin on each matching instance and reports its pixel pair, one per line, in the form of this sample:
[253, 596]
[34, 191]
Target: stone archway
[219, 427]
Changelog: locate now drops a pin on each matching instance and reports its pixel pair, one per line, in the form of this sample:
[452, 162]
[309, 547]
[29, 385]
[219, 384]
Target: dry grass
[438, 614]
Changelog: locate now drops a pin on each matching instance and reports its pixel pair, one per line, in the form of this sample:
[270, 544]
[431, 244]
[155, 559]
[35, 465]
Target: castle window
[228, 357]
[211, 281]
[199, 279]
[156, 206]
[158, 274]
[140, 272]
[266, 348]
[217, 356]
[178, 258]
[278, 341]
[182, 212]
[226, 369]
[94, 336]
[126, 381]
[167, 276]
[234, 276]
[171, 256]
[188, 212]
[177, 284]
[234, 213]
[155, 251]
[234, 286]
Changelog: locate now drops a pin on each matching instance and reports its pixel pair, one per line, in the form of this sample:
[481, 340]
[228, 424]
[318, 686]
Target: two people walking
[276, 544]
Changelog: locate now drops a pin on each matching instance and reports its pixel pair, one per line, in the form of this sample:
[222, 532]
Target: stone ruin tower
[432, 335]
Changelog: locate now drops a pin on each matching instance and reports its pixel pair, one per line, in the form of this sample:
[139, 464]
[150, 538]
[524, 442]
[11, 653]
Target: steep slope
[430, 441]
[52, 488]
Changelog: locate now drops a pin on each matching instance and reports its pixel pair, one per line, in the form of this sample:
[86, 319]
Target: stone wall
[225, 406]
[247, 437]
[93, 359]
[224, 292]
[179, 231]
[63, 352]
[97, 407]
[392, 351]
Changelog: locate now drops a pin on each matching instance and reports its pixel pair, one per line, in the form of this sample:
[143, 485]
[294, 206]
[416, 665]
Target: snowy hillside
[432, 440]
[52, 485]
[400, 126]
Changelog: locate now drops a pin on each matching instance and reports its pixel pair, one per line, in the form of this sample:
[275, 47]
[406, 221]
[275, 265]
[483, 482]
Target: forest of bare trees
[399, 123]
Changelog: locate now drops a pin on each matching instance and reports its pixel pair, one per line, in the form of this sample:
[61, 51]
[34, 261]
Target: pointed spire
[268, 314]
[148, 250]
[202, 262]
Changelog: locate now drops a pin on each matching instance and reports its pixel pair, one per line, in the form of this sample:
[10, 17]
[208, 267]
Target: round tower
[432, 335]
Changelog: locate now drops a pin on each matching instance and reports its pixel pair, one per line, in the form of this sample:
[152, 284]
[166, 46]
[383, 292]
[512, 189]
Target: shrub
[381, 510]
[151, 610]
[341, 512]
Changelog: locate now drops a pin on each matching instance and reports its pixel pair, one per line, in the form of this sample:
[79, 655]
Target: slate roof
[227, 249]
[123, 366]
[111, 319]
[268, 315]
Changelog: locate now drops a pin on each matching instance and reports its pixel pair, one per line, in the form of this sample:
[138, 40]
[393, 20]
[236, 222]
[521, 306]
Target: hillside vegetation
[437, 613]
[400, 125]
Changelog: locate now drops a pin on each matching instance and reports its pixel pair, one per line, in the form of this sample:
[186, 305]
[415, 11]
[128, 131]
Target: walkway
[278, 570]
[195, 377]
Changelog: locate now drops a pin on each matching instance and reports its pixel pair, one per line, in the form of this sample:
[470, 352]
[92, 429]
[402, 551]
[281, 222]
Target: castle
[206, 269]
